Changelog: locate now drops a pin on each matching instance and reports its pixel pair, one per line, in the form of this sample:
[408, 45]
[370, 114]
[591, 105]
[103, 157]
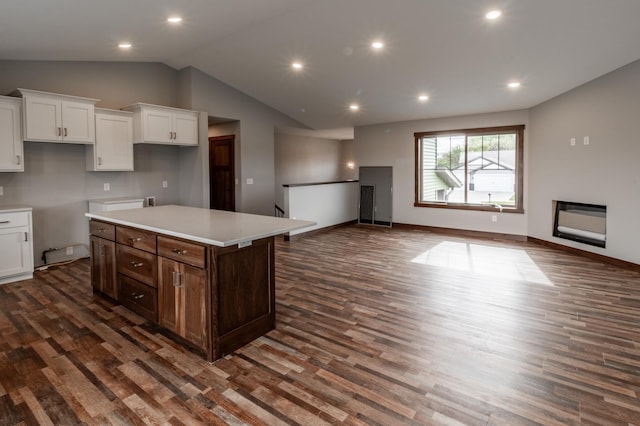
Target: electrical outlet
[107, 187]
[586, 140]
[151, 201]
[69, 251]
[1, 191]
[249, 181]
[165, 184]
[572, 141]
[494, 218]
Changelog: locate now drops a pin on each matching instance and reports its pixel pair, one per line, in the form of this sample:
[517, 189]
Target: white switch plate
[107, 187]
[573, 141]
[165, 184]
[249, 181]
[586, 140]
[1, 191]
[494, 218]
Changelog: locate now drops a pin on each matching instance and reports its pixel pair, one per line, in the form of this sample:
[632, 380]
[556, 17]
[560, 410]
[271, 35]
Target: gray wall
[604, 172]
[392, 144]
[256, 147]
[305, 159]
[55, 182]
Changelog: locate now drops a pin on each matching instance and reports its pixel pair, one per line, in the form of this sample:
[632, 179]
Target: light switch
[1, 191]
[165, 184]
[107, 187]
[572, 141]
[586, 140]
[249, 181]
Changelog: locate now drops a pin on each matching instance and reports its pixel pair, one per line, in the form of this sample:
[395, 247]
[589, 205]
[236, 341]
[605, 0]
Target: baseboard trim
[288, 237]
[595, 256]
[463, 232]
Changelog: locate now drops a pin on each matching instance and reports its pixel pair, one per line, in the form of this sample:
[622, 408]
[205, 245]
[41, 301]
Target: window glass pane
[477, 169]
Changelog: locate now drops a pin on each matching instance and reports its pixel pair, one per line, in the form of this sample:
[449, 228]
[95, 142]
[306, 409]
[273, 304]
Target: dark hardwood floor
[374, 326]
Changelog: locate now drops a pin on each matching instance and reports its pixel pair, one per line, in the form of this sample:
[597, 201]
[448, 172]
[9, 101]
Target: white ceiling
[444, 48]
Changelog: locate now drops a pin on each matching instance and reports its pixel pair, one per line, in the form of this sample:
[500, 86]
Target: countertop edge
[195, 237]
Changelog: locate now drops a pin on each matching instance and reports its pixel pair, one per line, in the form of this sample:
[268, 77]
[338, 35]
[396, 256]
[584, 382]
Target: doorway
[222, 191]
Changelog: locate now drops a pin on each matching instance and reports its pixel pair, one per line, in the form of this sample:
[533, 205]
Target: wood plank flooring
[375, 326]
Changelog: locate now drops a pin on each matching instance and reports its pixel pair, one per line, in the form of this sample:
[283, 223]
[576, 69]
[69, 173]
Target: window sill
[470, 207]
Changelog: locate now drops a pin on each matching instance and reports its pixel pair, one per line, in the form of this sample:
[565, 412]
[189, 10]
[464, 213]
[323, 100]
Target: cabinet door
[78, 122]
[11, 157]
[15, 251]
[157, 126]
[114, 143]
[182, 304]
[43, 119]
[185, 129]
[103, 266]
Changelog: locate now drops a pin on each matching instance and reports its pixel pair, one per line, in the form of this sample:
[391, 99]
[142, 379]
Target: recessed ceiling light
[377, 44]
[354, 107]
[297, 65]
[125, 45]
[493, 14]
[514, 85]
[174, 19]
[423, 98]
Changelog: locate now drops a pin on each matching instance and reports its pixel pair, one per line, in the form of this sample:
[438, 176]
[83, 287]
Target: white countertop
[215, 227]
[13, 209]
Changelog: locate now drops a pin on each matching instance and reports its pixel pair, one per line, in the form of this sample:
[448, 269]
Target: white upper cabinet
[164, 125]
[113, 149]
[51, 117]
[11, 146]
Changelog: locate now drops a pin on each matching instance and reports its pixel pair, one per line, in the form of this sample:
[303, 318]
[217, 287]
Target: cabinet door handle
[5, 221]
[18, 160]
[65, 131]
[137, 264]
[99, 161]
[135, 240]
[26, 237]
[59, 131]
[176, 279]
[178, 251]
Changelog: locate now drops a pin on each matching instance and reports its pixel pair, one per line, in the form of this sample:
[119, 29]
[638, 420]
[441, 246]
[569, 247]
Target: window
[474, 169]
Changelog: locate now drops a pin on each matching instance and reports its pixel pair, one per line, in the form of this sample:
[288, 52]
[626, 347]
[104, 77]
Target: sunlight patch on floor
[484, 260]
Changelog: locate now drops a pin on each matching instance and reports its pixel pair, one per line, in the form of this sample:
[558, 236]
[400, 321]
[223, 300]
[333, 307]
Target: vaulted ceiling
[445, 49]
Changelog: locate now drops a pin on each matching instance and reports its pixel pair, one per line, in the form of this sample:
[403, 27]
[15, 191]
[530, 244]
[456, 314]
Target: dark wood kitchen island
[204, 276]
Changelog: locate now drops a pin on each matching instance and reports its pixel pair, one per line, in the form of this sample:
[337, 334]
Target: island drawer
[136, 238]
[102, 230]
[182, 251]
[137, 264]
[138, 297]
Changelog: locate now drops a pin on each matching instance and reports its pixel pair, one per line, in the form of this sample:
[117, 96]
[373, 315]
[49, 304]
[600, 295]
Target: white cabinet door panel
[77, 119]
[11, 155]
[44, 119]
[15, 251]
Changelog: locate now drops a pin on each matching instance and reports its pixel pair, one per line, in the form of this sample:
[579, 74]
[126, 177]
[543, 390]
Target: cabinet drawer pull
[18, 160]
[135, 240]
[102, 229]
[5, 221]
[137, 296]
[137, 264]
[178, 251]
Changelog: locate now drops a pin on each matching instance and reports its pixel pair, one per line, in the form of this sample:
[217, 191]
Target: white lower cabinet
[16, 244]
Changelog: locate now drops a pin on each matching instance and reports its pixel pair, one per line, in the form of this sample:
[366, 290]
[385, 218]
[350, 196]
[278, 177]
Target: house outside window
[473, 169]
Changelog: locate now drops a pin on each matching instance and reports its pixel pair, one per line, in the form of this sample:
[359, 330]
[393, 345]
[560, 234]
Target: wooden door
[222, 178]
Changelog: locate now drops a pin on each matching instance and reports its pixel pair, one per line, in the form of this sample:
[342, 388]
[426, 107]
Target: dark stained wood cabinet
[215, 299]
[182, 301]
[103, 266]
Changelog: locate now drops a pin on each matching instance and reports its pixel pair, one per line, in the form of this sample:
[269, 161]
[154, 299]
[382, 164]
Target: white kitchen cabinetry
[164, 125]
[16, 244]
[113, 149]
[11, 146]
[51, 117]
